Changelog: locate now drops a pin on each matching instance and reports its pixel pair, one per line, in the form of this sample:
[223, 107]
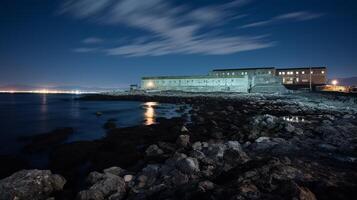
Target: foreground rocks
[254, 147]
[31, 184]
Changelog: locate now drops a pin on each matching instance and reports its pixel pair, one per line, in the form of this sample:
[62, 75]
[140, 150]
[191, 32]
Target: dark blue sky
[112, 43]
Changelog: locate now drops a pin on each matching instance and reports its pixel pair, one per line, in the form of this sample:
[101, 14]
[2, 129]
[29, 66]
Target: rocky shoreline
[233, 147]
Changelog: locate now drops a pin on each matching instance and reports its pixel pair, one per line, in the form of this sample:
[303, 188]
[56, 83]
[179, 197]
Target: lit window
[228, 73]
[303, 72]
[297, 72]
[297, 79]
[269, 72]
[233, 73]
[283, 73]
[279, 73]
[246, 73]
[311, 72]
[322, 72]
[242, 73]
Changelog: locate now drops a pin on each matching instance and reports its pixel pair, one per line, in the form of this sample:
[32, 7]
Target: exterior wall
[196, 84]
[301, 76]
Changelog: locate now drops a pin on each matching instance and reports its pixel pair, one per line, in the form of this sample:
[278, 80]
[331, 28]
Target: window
[322, 72]
[297, 79]
[311, 72]
[245, 73]
[297, 72]
[283, 73]
[303, 72]
[279, 73]
[228, 74]
[269, 72]
[233, 73]
[242, 73]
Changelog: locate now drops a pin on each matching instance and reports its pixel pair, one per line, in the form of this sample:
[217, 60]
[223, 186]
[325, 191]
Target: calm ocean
[29, 114]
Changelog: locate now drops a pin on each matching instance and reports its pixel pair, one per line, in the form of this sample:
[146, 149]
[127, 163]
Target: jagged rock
[289, 128]
[128, 178]
[183, 141]
[110, 184]
[230, 108]
[31, 184]
[115, 170]
[184, 129]
[188, 165]
[197, 146]
[179, 178]
[167, 147]
[94, 177]
[249, 191]
[205, 186]
[153, 150]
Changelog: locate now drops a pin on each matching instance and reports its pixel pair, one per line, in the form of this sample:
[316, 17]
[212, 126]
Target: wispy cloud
[92, 40]
[169, 28]
[293, 16]
[85, 50]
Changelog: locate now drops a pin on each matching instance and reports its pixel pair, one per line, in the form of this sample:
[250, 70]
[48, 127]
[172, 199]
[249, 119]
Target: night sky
[112, 43]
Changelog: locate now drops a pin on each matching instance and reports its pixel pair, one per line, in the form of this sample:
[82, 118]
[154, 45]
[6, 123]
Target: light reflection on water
[149, 114]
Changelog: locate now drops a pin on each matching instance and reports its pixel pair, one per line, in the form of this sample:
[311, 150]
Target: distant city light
[47, 91]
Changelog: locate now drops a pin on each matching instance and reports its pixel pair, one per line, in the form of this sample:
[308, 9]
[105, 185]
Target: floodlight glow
[334, 82]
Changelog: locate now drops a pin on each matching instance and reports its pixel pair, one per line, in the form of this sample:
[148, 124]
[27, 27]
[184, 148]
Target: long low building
[207, 83]
[256, 80]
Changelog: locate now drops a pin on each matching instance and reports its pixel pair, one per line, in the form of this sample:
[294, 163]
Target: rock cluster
[233, 147]
[31, 184]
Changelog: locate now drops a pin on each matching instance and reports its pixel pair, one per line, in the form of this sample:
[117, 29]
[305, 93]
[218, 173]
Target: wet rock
[153, 150]
[197, 146]
[167, 147]
[128, 178]
[31, 184]
[205, 186]
[179, 178]
[184, 129]
[183, 141]
[188, 165]
[230, 108]
[115, 171]
[249, 191]
[103, 188]
[289, 128]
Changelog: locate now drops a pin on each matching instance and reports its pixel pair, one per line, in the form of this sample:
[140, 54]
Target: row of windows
[297, 72]
[239, 73]
[193, 81]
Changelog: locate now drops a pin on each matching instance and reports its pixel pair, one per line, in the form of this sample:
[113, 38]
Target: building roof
[188, 77]
[297, 68]
[246, 69]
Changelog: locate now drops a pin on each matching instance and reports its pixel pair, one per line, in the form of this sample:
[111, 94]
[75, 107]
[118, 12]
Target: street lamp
[334, 83]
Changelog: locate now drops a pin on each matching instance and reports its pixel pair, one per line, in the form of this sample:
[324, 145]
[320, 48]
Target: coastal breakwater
[233, 147]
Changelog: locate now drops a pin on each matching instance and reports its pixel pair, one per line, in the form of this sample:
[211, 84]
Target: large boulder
[154, 150]
[31, 184]
[183, 141]
[103, 186]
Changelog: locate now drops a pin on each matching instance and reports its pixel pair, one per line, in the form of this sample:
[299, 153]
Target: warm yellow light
[150, 84]
[334, 82]
[150, 113]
